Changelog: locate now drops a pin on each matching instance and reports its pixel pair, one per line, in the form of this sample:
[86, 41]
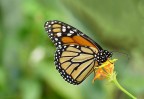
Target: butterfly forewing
[61, 33]
[74, 62]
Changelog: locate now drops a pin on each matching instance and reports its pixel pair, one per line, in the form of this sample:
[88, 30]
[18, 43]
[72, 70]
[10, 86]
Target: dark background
[27, 70]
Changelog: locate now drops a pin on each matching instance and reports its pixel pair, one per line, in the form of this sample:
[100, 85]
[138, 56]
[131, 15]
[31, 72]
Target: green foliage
[27, 70]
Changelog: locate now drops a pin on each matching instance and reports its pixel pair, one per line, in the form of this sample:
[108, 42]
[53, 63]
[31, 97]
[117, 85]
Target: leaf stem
[114, 80]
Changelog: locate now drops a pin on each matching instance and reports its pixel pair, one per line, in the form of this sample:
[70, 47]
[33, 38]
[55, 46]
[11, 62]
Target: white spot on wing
[68, 27]
[71, 32]
[56, 39]
[59, 34]
[49, 25]
[46, 23]
[75, 30]
[64, 29]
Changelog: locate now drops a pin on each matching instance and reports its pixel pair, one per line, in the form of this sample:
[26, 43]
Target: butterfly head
[102, 56]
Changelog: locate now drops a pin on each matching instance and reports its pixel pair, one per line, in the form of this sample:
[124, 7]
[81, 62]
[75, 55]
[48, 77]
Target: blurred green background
[27, 70]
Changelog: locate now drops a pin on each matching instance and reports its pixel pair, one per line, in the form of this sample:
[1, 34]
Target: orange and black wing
[61, 33]
[75, 62]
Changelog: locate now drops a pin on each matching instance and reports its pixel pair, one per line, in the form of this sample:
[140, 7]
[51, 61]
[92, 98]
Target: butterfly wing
[61, 33]
[75, 62]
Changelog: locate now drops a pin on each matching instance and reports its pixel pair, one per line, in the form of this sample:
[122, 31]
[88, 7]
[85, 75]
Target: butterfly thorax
[102, 56]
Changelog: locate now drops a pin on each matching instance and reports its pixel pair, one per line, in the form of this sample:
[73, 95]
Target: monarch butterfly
[76, 54]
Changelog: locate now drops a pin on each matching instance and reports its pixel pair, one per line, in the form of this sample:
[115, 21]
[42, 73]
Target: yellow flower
[105, 70]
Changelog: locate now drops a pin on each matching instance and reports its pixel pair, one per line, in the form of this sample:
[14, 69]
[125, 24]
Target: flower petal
[104, 70]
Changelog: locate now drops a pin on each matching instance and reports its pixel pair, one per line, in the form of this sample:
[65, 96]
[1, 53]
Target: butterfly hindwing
[74, 62]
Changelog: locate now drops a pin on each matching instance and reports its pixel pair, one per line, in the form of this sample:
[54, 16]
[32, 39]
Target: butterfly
[76, 54]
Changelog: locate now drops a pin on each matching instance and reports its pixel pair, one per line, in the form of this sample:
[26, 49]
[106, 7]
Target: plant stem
[114, 80]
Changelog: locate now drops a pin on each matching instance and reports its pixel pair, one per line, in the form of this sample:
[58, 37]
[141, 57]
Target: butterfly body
[76, 54]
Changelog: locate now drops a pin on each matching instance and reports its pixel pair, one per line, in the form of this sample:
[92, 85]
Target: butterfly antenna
[126, 54]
